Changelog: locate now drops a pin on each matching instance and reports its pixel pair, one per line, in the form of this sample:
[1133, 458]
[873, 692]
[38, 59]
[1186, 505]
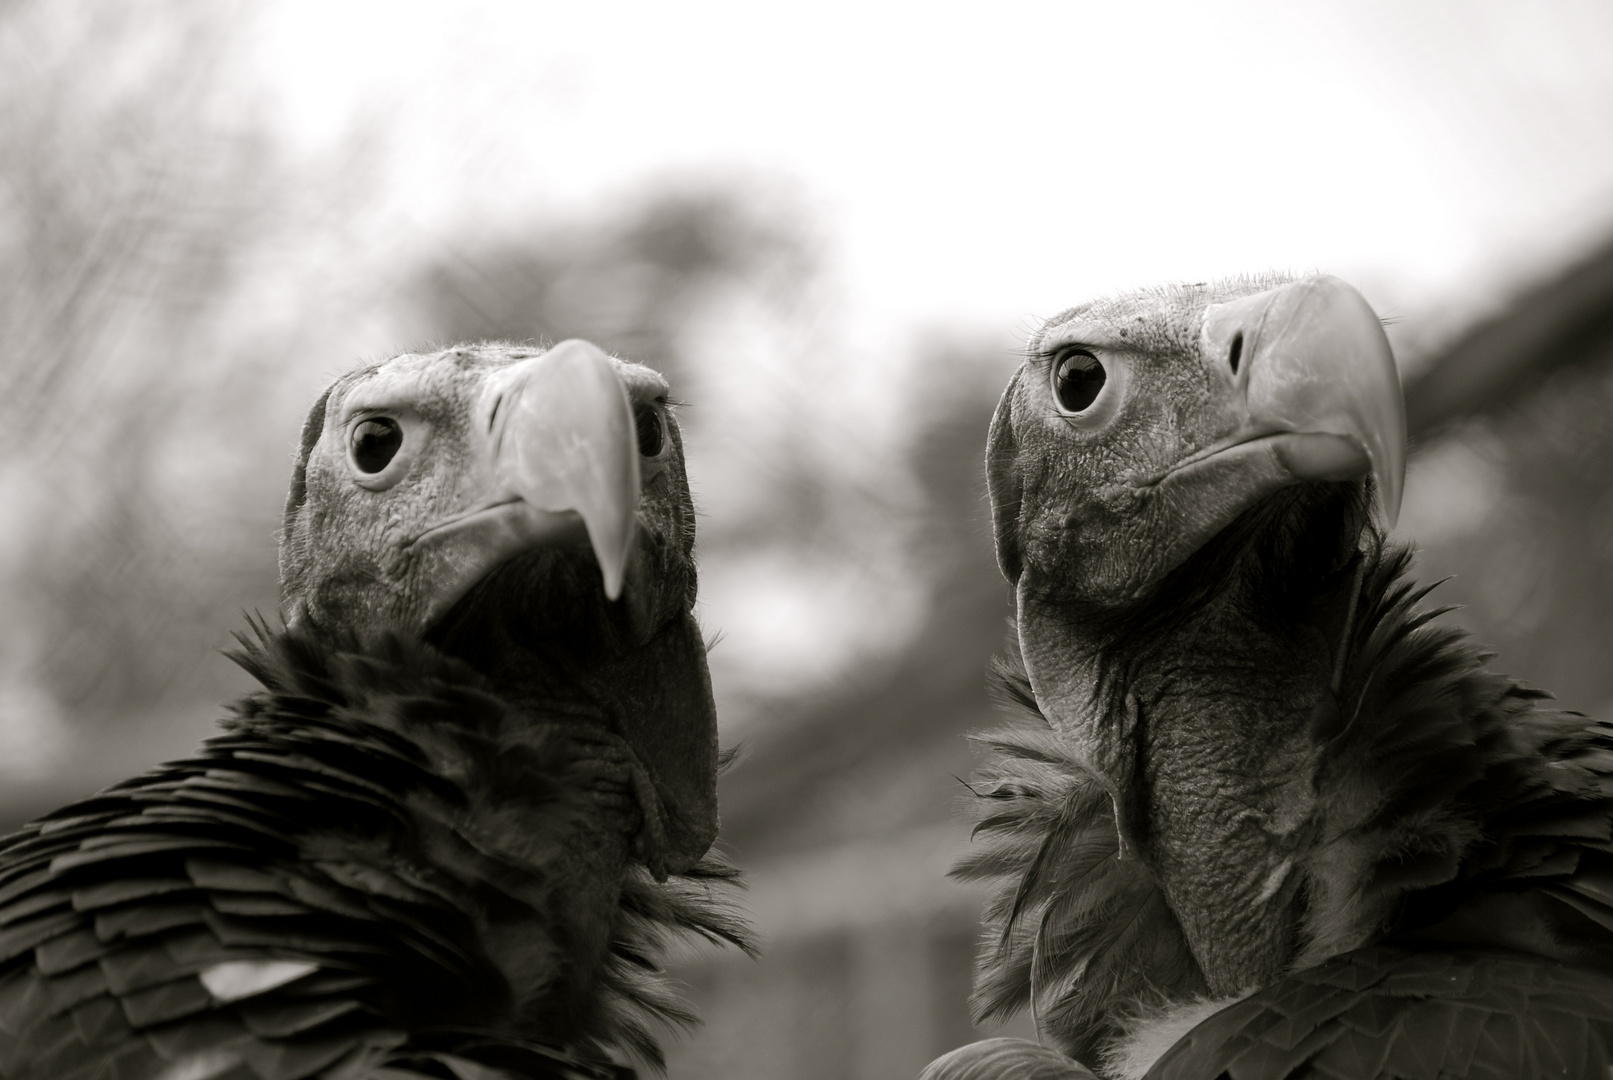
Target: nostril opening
[1236, 353]
[498, 403]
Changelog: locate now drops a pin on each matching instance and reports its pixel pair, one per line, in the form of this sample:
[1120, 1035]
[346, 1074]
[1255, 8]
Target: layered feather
[1451, 794]
[1382, 1013]
[360, 878]
[1456, 812]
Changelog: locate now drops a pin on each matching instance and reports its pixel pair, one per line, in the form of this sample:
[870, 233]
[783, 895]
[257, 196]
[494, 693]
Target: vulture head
[527, 512]
[1179, 480]
[1141, 426]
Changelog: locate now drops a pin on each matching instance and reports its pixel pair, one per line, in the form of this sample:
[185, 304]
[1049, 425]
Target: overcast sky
[992, 162]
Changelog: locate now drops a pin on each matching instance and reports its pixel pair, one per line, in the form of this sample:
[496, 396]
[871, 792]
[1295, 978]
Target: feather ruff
[356, 880]
[1454, 810]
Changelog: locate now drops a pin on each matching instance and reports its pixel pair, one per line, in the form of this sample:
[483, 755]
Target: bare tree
[136, 185]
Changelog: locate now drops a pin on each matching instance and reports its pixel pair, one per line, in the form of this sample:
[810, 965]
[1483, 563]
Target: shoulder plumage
[1385, 1012]
[333, 875]
[1445, 785]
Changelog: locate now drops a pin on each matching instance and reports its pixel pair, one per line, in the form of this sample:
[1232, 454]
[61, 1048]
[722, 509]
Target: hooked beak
[1309, 392]
[564, 441]
[563, 468]
[1318, 377]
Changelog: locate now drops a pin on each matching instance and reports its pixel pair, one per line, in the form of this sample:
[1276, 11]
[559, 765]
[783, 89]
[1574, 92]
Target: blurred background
[832, 227]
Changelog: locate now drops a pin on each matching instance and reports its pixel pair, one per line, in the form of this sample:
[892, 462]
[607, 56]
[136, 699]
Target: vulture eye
[1078, 377]
[651, 432]
[376, 442]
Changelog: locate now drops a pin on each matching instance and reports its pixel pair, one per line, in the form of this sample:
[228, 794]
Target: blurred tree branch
[129, 183]
[630, 283]
[136, 182]
[1561, 321]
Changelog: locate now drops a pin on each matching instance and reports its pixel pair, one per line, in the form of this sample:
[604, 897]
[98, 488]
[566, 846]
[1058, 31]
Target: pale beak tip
[1389, 464]
[613, 575]
[1389, 500]
[612, 544]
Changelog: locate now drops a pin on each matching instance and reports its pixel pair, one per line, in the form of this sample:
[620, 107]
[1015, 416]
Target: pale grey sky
[988, 162]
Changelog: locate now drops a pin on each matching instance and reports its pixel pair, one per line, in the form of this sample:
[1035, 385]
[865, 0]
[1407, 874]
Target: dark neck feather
[1455, 786]
[519, 817]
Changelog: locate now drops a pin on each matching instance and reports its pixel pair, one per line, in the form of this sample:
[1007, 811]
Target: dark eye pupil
[651, 435]
[375, 443]
[1078, 380]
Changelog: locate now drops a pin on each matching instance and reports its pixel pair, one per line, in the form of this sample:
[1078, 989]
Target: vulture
[1258, 814]
[472, 800]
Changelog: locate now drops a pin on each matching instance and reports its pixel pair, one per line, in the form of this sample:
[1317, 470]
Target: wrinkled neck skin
[1196, 708]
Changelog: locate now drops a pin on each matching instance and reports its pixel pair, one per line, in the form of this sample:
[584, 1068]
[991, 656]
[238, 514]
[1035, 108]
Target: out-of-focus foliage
[1562, 320]
[1518, 509]
[631, 283]
[130, 191]
[130, 196]
[878, 752]
[144, 424]
[1510, 490]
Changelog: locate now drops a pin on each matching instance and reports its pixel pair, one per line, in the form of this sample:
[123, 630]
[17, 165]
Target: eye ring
[1077, 379]
[373, 443]
[381, 445]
